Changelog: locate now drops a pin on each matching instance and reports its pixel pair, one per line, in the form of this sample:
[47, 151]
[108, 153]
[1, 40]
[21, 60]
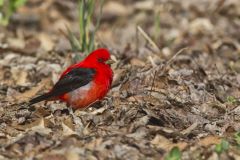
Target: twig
[144, 34]
[15, 50]
[165, 66]
[154, 77]
[173, 57]
[189, 129]
[137, 40]
[61, 31]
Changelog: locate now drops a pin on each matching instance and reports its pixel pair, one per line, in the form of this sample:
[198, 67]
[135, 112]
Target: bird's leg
[85, 108]
[71, 112]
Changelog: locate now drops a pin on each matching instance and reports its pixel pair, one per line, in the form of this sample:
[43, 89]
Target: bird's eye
[100, 60]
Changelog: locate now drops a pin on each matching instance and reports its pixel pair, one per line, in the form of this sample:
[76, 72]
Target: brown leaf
[209, 141]
[67, 131]
[114, 9]
[19, 75]
[33, 91]
[164, 143]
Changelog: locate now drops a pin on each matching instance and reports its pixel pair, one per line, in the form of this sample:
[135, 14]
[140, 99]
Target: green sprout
[174, 154]
[232, 100]
[7, 8]
[86, 42]
[223, 146]
[157, 25]
[237, 138]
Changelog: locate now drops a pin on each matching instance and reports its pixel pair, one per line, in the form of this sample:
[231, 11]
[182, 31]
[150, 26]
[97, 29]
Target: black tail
[39, 99]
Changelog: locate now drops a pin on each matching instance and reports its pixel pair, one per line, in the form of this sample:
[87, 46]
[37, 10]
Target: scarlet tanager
[83, 83]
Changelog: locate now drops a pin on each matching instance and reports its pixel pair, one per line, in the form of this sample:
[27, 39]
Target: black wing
[74, 79]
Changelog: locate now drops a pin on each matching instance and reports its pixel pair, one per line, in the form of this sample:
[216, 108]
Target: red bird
[83, 83]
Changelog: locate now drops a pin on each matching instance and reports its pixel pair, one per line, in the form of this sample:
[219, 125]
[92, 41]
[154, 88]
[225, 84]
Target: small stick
[137, 40]
[167, 64]
[174, 56]
[144, 34]
[154, 77]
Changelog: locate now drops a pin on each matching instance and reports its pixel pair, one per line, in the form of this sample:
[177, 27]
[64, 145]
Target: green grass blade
[1, 3]
[73, 41]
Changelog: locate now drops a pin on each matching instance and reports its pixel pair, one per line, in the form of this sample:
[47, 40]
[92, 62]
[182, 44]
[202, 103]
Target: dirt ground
[176, 82]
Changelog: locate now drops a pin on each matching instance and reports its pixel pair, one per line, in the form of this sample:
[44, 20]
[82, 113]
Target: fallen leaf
[33, 91]
[19, 75]
[114, 9]
[144, 5]
[46, 42]
[210, 140]
[40, 128]
[164, 143]
[67, 131]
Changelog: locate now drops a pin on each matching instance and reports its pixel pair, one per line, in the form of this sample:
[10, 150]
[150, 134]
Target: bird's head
[101, 56]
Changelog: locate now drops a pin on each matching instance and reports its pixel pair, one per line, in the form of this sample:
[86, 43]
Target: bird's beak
[110, 61]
